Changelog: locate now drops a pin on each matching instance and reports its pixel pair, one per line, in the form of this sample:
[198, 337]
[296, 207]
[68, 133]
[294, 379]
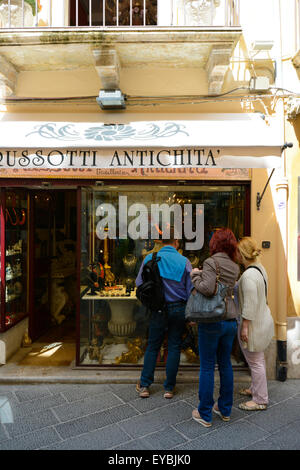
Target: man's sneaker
[142, 391]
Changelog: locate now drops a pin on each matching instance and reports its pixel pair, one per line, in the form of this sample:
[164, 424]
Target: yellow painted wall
[293, 171]
[264, 227]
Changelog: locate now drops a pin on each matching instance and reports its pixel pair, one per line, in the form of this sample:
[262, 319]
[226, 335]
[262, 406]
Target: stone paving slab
[3, 434]
[101, 439]
[34, 440]
[277, 416]
[29, 408]
[112, 416]
[74, 392]
[95, 421]
[31, 423]
[167, 438]
[229, 437]
[90, 405]
[149, 422]
[287, 437]
[31, 392]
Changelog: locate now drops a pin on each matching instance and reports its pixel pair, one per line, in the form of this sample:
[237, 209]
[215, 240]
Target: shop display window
[115, 239]
[14, 248]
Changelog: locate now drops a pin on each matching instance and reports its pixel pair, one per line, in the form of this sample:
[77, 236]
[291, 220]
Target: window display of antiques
[129, 262]
[134, 354]
[114, 324]
[99, 279]
[94, 279]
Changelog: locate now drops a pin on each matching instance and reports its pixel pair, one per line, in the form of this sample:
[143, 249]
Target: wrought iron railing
[116, 13]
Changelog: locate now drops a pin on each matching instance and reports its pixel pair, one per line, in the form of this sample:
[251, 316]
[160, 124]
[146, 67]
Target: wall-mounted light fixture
[111, 99]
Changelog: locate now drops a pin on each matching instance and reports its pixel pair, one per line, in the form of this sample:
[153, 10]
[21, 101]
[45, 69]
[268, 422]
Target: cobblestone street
[113, 417]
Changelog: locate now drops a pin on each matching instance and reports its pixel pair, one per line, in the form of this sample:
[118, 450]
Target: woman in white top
[256, 327]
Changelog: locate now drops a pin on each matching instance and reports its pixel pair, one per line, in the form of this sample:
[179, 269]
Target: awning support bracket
[259, 196]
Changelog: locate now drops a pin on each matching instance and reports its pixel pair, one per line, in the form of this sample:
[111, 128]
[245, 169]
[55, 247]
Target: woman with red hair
[216, 339]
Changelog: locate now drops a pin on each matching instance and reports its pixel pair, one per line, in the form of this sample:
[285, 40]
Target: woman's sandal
[168, 394]
[218, 412]
[256, 407]
[245, 392]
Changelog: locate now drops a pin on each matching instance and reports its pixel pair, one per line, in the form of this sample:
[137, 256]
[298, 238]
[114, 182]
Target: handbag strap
[218, 274]
[257, 268]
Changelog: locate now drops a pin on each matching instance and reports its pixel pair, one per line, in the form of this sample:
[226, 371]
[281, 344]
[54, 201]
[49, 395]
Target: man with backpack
[165, 292]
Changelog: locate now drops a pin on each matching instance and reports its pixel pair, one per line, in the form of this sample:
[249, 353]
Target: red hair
[223, 241]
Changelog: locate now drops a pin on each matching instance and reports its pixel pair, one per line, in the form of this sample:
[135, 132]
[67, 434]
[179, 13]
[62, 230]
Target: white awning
[123, 140]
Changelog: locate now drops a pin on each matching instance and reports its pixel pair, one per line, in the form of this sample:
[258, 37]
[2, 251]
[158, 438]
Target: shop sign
[194, 142]
[110, 158]
[133, 173]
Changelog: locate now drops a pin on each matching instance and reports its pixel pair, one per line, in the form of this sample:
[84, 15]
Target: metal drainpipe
[282, 274]
[282, 201]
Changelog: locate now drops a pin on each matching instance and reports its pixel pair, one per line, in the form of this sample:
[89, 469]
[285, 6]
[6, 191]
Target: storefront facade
[72, 161]
[57, 260]
[53, 234]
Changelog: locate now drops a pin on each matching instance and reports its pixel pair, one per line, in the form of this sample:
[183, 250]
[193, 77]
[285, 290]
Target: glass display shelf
[117, 293]
[15, 240]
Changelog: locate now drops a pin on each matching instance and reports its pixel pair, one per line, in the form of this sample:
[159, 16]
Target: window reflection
[6, 414]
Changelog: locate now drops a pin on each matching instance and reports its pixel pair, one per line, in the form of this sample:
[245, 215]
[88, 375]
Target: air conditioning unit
[259, 84]
[262, 45]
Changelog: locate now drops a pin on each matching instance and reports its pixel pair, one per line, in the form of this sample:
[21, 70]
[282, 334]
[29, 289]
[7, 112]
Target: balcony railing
[117, 13]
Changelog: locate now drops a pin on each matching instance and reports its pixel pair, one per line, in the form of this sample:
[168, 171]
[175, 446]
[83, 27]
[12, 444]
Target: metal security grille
[114, 13]
[117, 13]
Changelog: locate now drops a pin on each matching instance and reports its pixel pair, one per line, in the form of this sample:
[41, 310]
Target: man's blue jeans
[215, 343]
[174, 323]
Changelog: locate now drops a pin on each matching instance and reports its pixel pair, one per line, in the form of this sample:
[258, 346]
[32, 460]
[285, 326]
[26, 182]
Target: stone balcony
[76, 35]
[110, 50]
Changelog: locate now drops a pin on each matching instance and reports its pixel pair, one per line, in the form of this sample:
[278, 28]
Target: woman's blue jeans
[215, 344]
[173, 321]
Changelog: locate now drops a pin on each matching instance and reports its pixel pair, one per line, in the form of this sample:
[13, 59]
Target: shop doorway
[52, 277]
[38, 268]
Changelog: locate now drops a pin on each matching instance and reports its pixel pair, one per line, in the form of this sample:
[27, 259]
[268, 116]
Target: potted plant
[14, 17]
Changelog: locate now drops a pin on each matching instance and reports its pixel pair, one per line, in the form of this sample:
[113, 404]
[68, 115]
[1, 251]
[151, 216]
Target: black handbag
[203, 309]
